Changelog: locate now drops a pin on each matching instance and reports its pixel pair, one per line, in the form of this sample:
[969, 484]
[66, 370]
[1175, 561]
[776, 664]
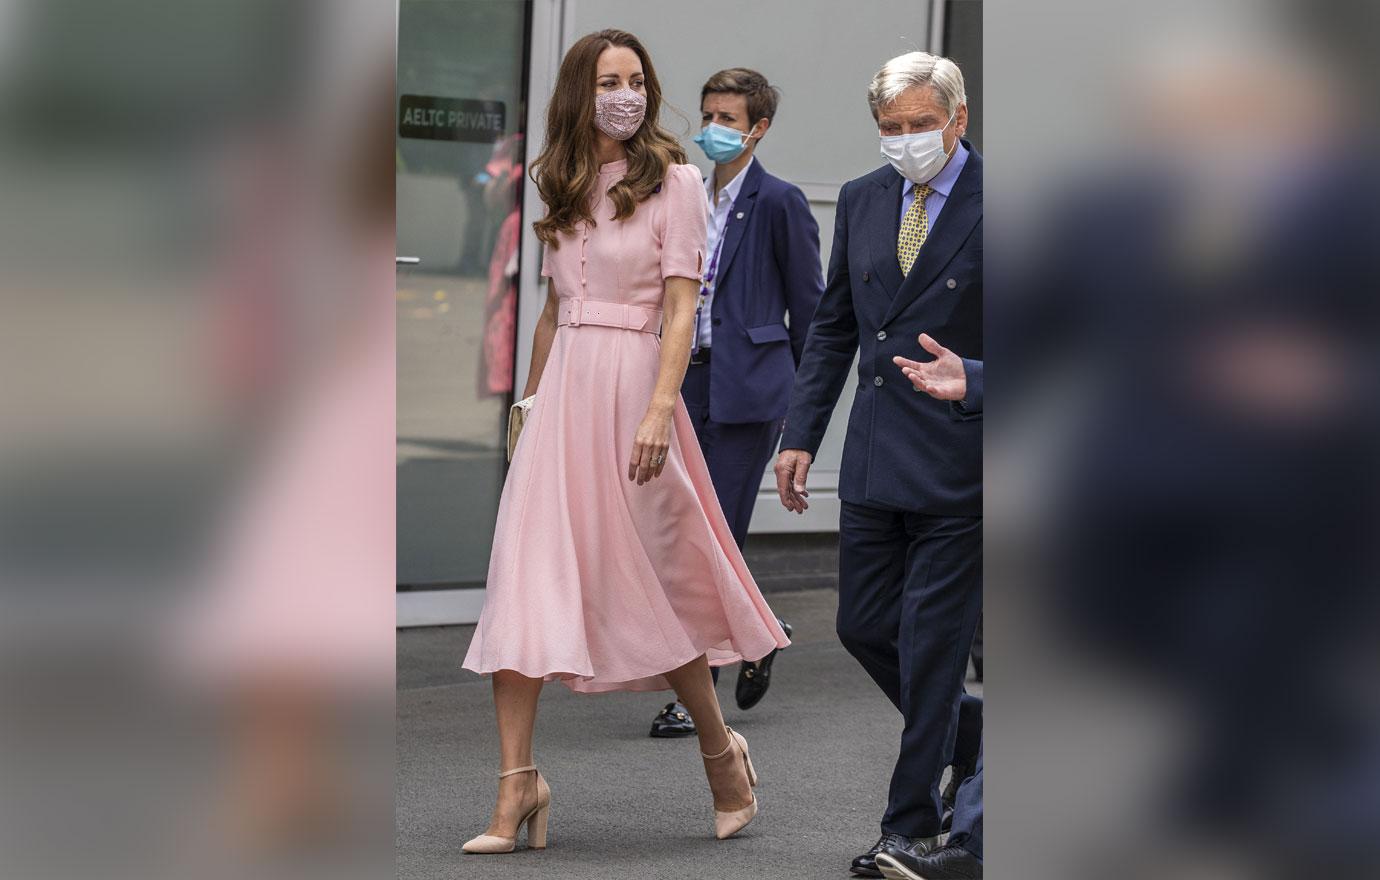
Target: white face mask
[918, 157]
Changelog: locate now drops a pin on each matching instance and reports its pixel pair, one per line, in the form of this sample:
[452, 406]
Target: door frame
[547, 36]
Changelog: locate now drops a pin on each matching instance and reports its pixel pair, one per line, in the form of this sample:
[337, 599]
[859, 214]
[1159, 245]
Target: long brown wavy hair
[566, 172]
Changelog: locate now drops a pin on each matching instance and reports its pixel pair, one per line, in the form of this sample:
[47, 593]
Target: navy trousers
[910, 592]
[737, 454]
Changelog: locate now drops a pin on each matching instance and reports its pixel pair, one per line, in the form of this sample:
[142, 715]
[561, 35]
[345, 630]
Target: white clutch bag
[517, 417]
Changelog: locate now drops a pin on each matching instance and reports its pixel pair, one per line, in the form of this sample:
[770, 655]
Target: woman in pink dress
[613, 567]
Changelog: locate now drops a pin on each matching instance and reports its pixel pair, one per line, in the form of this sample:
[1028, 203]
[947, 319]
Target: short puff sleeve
[686, 223]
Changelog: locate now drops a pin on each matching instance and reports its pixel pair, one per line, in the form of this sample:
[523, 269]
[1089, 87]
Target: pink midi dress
[593, 579]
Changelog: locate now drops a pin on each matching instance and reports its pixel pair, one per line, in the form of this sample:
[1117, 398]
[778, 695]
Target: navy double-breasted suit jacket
[904, 450]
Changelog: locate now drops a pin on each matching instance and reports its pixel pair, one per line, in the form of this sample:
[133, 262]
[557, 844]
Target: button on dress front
[594, 580]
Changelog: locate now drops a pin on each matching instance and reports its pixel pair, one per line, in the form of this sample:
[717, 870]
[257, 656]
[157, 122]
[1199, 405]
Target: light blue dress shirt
[942, 184]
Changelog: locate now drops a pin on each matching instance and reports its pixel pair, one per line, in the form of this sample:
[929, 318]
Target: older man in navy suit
[762, 267]
[906, 261]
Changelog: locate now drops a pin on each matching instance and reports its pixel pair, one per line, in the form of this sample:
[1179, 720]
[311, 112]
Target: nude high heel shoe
[730, 822]
[535, 822]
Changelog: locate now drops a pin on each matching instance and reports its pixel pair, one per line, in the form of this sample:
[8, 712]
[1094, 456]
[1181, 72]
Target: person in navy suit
[906, 261]
[960, 858]
[762, 282]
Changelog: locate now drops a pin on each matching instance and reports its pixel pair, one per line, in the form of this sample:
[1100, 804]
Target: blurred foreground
[1182, 459]
[196, 470]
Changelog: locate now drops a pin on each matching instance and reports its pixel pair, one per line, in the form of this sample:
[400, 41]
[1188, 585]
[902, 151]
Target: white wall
[820, 53]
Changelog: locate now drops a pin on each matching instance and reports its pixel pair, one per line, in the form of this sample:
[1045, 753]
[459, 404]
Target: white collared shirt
[718, 223]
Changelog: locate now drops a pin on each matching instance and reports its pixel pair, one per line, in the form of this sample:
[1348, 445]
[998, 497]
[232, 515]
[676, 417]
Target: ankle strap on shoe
[517, 770]
[729, 731]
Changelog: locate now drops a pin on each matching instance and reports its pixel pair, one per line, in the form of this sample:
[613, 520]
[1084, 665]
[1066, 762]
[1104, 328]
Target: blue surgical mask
[721, 143]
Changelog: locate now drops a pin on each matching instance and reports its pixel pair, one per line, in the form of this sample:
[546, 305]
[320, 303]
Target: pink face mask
[619, 114]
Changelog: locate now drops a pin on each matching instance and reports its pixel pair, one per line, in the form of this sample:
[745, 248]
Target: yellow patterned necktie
[915, 227]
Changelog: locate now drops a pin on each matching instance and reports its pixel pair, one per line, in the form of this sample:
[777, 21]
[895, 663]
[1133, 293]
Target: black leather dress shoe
[865, 865]
[674, 720]
[755, 678]
[949, 863]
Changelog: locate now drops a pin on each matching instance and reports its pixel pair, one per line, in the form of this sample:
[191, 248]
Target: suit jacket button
[951, 284]
[866, 276]
[877, 381]
[881, 334]
[718, 321]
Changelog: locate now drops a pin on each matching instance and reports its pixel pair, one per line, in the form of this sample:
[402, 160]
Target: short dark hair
[761, 95]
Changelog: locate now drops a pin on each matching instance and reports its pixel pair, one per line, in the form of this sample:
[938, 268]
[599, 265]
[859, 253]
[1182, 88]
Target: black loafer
[949, 863]
[755, 678]
[674, 720]
[865, 865]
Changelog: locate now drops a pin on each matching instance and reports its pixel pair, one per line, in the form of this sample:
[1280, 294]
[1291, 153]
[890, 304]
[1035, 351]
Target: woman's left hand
[649, 449]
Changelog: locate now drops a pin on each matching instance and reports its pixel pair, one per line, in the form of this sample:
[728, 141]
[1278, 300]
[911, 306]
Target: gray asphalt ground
[628, 806]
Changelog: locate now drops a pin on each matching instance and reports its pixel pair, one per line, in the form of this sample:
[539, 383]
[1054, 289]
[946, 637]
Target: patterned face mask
[619, 114]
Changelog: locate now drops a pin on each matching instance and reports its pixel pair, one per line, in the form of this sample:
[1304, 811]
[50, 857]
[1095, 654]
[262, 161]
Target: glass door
[460, 115]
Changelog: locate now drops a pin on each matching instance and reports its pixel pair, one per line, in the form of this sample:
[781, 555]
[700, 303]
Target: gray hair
[916, 69]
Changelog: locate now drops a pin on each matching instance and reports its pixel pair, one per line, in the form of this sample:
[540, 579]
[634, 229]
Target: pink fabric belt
[607, 314]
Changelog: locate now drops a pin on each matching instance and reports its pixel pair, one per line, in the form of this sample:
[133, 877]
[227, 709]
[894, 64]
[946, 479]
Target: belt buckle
[574, 313]
[695, 356]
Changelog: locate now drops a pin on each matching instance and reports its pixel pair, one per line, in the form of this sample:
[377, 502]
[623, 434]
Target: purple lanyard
[718, 249]
[709, 279]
